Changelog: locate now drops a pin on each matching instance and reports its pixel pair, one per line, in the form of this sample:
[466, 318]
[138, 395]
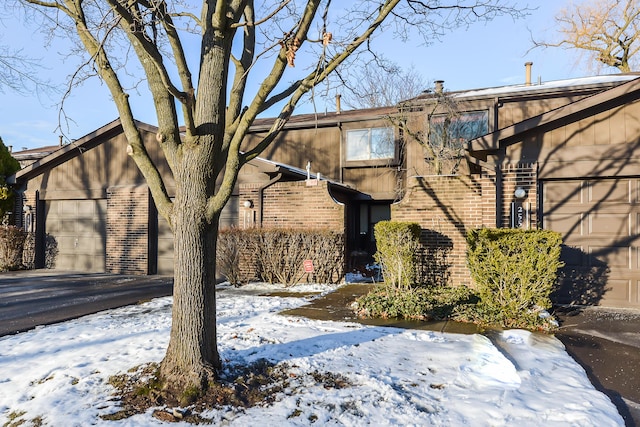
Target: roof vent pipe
[338, 96]
[527, 66]
[439, 86]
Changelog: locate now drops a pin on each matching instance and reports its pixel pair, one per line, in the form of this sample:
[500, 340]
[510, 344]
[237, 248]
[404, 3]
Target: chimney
[60, 143]
[338, 96]
[439, 86]
[10, 148]
[527, 66]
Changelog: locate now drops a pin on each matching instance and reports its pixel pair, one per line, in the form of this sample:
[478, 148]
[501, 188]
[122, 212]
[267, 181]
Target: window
[370, 144]
[453, 130]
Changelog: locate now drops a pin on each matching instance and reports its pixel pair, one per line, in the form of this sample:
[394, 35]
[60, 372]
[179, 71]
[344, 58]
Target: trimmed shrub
[515, 272]
[398, 252]
[436, 303]
[11, 246]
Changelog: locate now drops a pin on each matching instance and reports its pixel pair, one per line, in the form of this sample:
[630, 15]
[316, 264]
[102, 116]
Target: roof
[73, 149]
[294, 171]
[54, 156]
[36, 152]
[546, 88]
[599, 102]
[325, 119]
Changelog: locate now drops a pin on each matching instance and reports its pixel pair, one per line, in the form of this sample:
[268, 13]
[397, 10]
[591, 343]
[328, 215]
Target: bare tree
[441, 127]
[381, 86]
[19, 72]
[246, 49]
[607, 30]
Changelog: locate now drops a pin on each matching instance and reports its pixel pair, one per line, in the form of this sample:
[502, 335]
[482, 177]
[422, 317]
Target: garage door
[165, 248]
[78, 227]
[600, 222]
[228, 218]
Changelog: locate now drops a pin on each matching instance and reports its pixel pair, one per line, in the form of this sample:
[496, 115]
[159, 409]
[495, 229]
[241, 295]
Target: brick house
[511, 156]
[91, 198]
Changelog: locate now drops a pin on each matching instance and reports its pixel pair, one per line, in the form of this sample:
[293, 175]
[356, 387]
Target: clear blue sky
[485, 55]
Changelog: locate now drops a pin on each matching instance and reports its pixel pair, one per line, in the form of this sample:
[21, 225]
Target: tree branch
[317, 76]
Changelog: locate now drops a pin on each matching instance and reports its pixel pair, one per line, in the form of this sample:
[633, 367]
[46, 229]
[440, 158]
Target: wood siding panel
[602, 129]
[97, 169]
[381, 183]
[599, 221]
[617, 121]
[319, 146]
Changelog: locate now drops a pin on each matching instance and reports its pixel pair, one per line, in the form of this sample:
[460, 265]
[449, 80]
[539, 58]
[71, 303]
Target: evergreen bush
[435, 303]
[398, 252]
[515, 272]
[8, 166]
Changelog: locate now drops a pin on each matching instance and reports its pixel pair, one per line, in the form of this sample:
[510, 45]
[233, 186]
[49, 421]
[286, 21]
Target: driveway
[42, 297]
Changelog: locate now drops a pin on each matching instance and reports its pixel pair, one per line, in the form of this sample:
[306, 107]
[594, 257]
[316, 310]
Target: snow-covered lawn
[58, 374]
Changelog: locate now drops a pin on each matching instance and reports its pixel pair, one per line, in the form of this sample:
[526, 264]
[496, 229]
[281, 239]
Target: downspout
[40, 234]
[499, 194]
[339, 124]
[342, 152]
[261, 195]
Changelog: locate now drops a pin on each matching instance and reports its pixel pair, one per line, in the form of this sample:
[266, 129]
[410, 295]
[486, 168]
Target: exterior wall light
[248, 204]
[520, 193]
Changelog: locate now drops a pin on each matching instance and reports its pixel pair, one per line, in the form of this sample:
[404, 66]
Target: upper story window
[371, 144]
[453, 130]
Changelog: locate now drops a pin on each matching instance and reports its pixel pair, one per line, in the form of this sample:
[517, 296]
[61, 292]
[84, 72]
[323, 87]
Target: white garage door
[600, 223]
[78, 227]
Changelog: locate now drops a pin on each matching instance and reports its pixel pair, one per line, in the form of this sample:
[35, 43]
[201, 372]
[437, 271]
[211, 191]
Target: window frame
[383, 161]
[458, 118]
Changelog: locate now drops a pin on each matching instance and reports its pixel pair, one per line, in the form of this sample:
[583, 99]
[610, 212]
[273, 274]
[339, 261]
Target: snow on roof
[566, 84]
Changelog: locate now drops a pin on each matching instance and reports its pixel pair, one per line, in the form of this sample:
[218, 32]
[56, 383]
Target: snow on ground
[58, 374]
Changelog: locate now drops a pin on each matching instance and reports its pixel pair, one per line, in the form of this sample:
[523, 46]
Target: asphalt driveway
[42, 297]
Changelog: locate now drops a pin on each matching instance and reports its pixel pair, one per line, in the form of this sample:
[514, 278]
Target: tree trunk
[192, 357]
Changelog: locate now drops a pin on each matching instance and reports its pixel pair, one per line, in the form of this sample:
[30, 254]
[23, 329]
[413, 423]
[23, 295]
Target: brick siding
[127, 230]
[524, 176]
[446, 207]
[299, 204]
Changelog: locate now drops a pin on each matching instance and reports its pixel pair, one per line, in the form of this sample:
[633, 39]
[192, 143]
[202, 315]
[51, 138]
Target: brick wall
[446, 207]
[127, 230]
[519, 176]
[300, 204]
